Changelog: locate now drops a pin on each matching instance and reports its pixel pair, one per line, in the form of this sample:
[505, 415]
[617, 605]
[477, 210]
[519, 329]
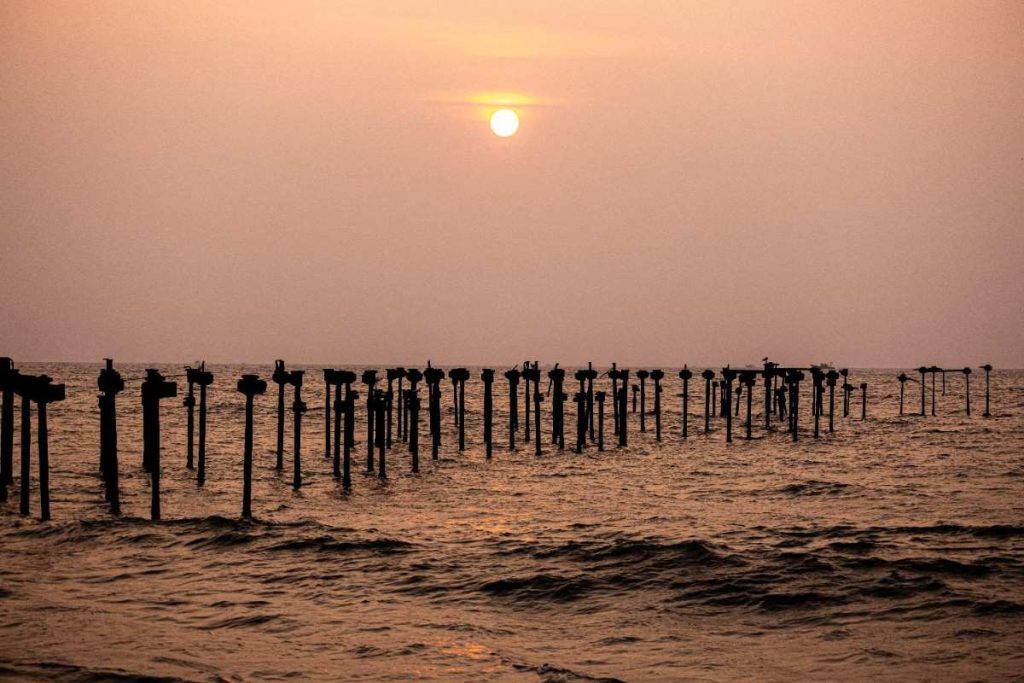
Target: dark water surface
[893, 548]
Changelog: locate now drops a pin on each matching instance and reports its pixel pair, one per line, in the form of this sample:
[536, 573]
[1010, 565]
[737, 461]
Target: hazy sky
[693, 182]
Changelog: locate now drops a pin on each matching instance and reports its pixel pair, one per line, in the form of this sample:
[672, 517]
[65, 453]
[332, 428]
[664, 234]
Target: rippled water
[893, 548]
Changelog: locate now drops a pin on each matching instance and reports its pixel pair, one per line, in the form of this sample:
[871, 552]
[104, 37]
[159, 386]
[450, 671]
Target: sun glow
[504, 123]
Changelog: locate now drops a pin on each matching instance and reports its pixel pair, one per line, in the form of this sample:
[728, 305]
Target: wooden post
[487, 375]
[686, 374]
[298, 408]
[280, 378]
[249, 386]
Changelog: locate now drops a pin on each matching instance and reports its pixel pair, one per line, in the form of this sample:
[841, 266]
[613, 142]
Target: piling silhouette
[922, 370]
[817, 378]
[686, 375]
[189, 402]
[830, 378]
[537, 398]
[580, 399]
[636, 393]
[249, 386]
[556, 377]
[380, 403]
[749, 379]
[529, 374]
[412, 411]
[41, 391]
[458, 377]
[403, 433]
[8, 378]
[656, 377]
[847, 389]
[280, 378]
[709, 376]
[154, 389]
[201, 378]
[739, 397]
[110, 384]
[298, 409]
[623, 417]
[369, 378]
[613, 375]
[988, 371]
[967, 389]
[391, 374]
[334, 407]
[599, 397]
[769, 384]
[591, 375]
[781, 399]
[328, 383]
[863, 400]
[513, 376]
[794, 377]
[642, 375]
[347, 378]
[487, 376]
[934, 370]
[729, 375]
[903, 385]
[21, 389]
[433, 376]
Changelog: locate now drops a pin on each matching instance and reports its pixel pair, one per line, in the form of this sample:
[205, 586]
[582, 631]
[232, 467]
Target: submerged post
[513, 406]
[686, 375]
[459, 377]
[599, 397]
[202, 378]
[656, 377]
[642, 375]
[41, 391]
[280, 378]
[988, 370]
[967, 389]
[816, 389]
[537, 398]
[433, 377]
[328, 382]
[381, 406]
[348, 378]
[708, 376]
[154, 389]
[557, 377]
[249, 386]
[749, 379]
[369, 378]
[412, 399]
[922, 370]
[190, 419]
[7, 381]
[580, 399]
[863, 400]
[487, 376]
[613, 374]
[623, 416]
[298, 408]
[902, 377]
[110, 384]
[831, 378]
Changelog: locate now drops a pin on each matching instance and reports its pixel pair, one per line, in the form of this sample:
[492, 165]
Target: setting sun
[504, 123]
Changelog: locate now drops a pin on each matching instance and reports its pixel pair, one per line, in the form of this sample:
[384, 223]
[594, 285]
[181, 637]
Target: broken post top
[199, 376]
[280, 375]
[458, 374]
[251, 385]
[110, 381]
[155, 387]
[531, 374]
[708, 375]
[657, 375]
[433, 375]
[413, 375]
[513, 375]
[41, 389]
[686, 374]
[369, 377]
[487, 375]
[295, 378]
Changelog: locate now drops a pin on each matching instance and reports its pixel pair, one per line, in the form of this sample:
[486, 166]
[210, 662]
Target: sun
[504, 123]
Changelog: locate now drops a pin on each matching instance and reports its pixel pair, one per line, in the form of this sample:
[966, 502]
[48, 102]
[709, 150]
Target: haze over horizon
[691, 182]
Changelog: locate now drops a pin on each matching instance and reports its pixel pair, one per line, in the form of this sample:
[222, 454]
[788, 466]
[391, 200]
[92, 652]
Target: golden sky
[691, 182]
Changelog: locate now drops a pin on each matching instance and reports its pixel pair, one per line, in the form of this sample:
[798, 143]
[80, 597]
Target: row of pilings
[392, 413]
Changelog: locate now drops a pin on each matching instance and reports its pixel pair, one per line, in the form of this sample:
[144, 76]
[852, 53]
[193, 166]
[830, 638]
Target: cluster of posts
[392, 413]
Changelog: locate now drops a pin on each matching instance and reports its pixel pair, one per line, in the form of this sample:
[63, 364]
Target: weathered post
[369, 378]
[863, 400]
[623, 416]
[580, 399]
[190, 419]
[967, 389]
[846, 389]
[537, 398]
[729, 374]
[636, 392]
[458, 377]
[380, 405]
[334, 409]
[527, 398]
[613, 375]
[558, 397]
[708, 376]
[154, 389]
[402, 434]
[642, 375]
[749, 379]
[487, 376]
[769, 383]
[656, 377]
[922, 370]
[831, 379]
[433, 376]
[110, 384]
[22, 389]
[391, 375]
[280, 378]
[328, 381]
[988, 370]
[249, 386]
[739, 397]
[298, 408]
[686, 375]
[794, 378]
[599, 396]
[42, 391]
[413, 409]
[817, 377]
[8, 377]
[513, 406]
[202, 378]
[902, 377]
[348, 378]
[591, 376]
[934, 370]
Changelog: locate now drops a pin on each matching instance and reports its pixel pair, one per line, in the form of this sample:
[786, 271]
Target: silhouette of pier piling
[686, 375]
[656, 377]
[433, 376]
[623, 417]
[8, 380]
[863, 400]
[369, 378]
[298, 410]
[487, 376]
[709, 407]
[154, 389]
[988, 371]
[458, 377]
[110, 384]
[202, 378]
[556, 376]
[412, 398]
[280, 378]
[513, 376]
[250, 386]
[600, 397]
[642, 375]
[967, 389]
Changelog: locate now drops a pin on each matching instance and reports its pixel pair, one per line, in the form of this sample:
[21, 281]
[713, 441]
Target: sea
[891, 548]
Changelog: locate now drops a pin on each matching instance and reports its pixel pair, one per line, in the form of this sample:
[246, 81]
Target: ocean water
[893, 548]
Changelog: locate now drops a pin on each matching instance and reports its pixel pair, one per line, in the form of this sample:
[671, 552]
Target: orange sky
[692, 182]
